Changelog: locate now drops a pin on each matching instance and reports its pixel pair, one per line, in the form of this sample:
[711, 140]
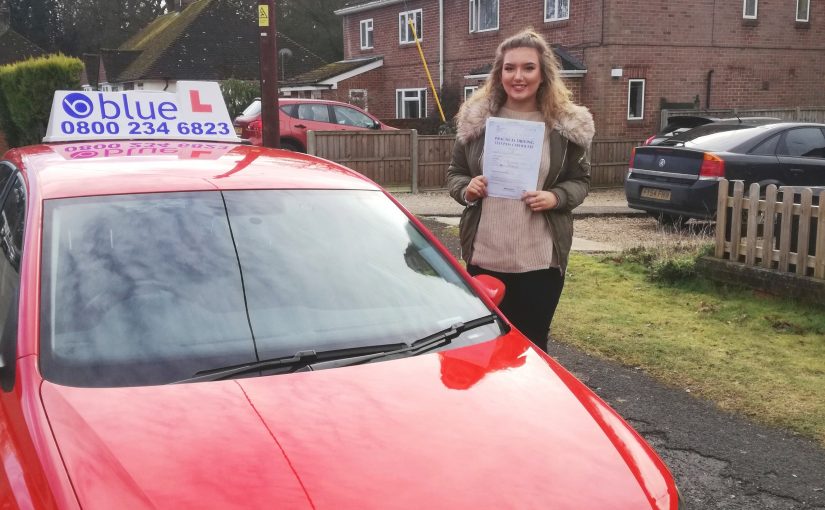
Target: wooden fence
[405, 161]
[782, 230]
[807, 114]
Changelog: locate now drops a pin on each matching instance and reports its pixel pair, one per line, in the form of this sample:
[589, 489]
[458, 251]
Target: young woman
[525, 243]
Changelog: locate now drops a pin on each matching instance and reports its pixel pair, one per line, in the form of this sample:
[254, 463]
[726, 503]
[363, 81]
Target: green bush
[26, 92]
[239, 94]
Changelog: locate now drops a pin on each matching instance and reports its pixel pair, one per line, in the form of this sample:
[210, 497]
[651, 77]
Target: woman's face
[521, 77]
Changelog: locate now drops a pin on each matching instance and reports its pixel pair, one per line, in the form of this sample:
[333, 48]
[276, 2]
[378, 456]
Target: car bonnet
[492, 425]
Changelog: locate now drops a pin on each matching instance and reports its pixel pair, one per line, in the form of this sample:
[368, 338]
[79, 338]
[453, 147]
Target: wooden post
[414, 160]
[785, 229]
[804, 232]
[736, 220]
[753, 224]
[768, 230]
[819, 258]
[311, 143]
[721, 218]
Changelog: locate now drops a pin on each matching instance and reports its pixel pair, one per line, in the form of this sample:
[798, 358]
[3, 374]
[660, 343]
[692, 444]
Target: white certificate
[512, 155]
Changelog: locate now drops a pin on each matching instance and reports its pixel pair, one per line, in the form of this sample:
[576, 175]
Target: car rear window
[153, 288]
[253, 109]
[725, 140]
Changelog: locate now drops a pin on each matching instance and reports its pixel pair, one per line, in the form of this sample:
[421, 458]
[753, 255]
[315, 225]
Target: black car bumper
[691, 199]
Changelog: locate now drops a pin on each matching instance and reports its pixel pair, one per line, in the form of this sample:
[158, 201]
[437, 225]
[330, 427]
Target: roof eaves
[331, 74]
[368, 6]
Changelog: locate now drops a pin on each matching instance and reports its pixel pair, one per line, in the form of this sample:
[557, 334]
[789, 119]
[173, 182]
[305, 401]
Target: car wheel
[291, 146]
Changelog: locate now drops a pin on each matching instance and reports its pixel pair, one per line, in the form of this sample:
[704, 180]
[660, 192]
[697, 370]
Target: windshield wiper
[312, 360]
[420, 346]
[292, 363]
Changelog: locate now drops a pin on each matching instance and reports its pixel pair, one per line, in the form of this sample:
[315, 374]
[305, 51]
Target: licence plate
[238, 131]
[655, 193]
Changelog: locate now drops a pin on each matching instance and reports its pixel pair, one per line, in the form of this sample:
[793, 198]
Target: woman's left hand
[540, 200]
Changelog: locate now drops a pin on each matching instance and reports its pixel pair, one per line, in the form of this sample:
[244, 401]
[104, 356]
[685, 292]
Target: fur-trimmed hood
[574, 123]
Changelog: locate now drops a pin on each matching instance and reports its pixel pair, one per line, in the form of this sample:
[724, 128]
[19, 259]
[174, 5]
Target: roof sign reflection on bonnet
[195, 112]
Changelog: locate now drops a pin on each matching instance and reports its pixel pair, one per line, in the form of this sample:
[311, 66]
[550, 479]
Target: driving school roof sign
[196, 112]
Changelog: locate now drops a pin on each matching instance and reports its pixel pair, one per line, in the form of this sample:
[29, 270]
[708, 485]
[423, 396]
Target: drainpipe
[707, 95]
[440, 45]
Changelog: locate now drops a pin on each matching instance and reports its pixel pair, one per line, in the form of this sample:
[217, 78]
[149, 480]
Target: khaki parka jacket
[569, 176]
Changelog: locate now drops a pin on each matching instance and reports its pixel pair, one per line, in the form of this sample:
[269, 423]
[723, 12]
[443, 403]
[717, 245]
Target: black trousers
[530, 299]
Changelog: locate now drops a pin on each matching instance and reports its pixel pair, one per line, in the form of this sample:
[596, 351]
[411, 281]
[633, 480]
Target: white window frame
[745, 9]
[366, 32]
[558, 4]
[469, 90]
[475, 12]
[807, 12]
[629, 91]
[404, 37]
[402, 97]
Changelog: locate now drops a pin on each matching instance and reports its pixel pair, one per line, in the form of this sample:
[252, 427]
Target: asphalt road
[720, 460]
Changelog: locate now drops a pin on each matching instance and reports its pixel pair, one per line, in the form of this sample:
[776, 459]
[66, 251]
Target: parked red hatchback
[297, 116]
[194, 324]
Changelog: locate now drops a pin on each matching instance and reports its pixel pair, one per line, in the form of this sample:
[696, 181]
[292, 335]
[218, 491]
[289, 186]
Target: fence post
[753, 224]
[311, 142]
[414, 160]
[768, 230]
[797, 114]
[819, 260]
[721, 218]
[736, 220]
[804, 232]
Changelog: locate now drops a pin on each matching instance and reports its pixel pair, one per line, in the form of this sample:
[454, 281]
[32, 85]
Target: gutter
[366, 7]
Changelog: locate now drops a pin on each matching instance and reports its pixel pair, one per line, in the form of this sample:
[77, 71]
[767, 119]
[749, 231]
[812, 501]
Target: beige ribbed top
[511, 238]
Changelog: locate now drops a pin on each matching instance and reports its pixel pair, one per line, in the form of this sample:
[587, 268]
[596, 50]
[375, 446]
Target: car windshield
[252, 109]
[153, 288]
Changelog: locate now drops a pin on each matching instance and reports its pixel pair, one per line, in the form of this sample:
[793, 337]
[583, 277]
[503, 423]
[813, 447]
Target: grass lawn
[758, 355]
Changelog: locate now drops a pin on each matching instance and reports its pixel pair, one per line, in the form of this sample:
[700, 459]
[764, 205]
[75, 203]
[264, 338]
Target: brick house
[624, 59]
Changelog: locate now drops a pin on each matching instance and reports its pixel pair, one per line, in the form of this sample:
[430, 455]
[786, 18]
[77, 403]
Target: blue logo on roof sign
[77, 105]
[196, 111]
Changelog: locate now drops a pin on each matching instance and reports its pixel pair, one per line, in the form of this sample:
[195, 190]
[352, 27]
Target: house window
[410, 103]
[483, 15]
[366, 34]
[358, 97]
[749, 9]
[803, 10]
[555, 10]
[405, 32]
[635, 99]
[468, 91]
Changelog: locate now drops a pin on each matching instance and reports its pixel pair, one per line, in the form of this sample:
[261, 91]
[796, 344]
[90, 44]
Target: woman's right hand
[476, 189]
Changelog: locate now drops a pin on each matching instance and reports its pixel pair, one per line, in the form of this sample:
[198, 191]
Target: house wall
[773, 61]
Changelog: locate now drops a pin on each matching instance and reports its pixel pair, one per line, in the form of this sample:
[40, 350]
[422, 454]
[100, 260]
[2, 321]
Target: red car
[193, 324]
[297, 116]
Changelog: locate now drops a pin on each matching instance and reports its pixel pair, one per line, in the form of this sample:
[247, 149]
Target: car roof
[146, 166]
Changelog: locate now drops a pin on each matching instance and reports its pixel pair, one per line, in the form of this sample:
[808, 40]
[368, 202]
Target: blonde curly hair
[552, 95]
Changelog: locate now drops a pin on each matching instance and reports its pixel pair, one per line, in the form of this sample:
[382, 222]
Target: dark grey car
[673, 183]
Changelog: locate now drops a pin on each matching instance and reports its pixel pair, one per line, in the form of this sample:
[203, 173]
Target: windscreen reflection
[153, 288]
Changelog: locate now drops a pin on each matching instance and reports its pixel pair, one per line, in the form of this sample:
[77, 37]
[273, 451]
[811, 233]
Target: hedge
[26, 91]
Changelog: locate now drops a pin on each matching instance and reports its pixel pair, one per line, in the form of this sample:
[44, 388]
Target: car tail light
[630, 164]
[255, 125]
[647, 142]
[713, 167]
